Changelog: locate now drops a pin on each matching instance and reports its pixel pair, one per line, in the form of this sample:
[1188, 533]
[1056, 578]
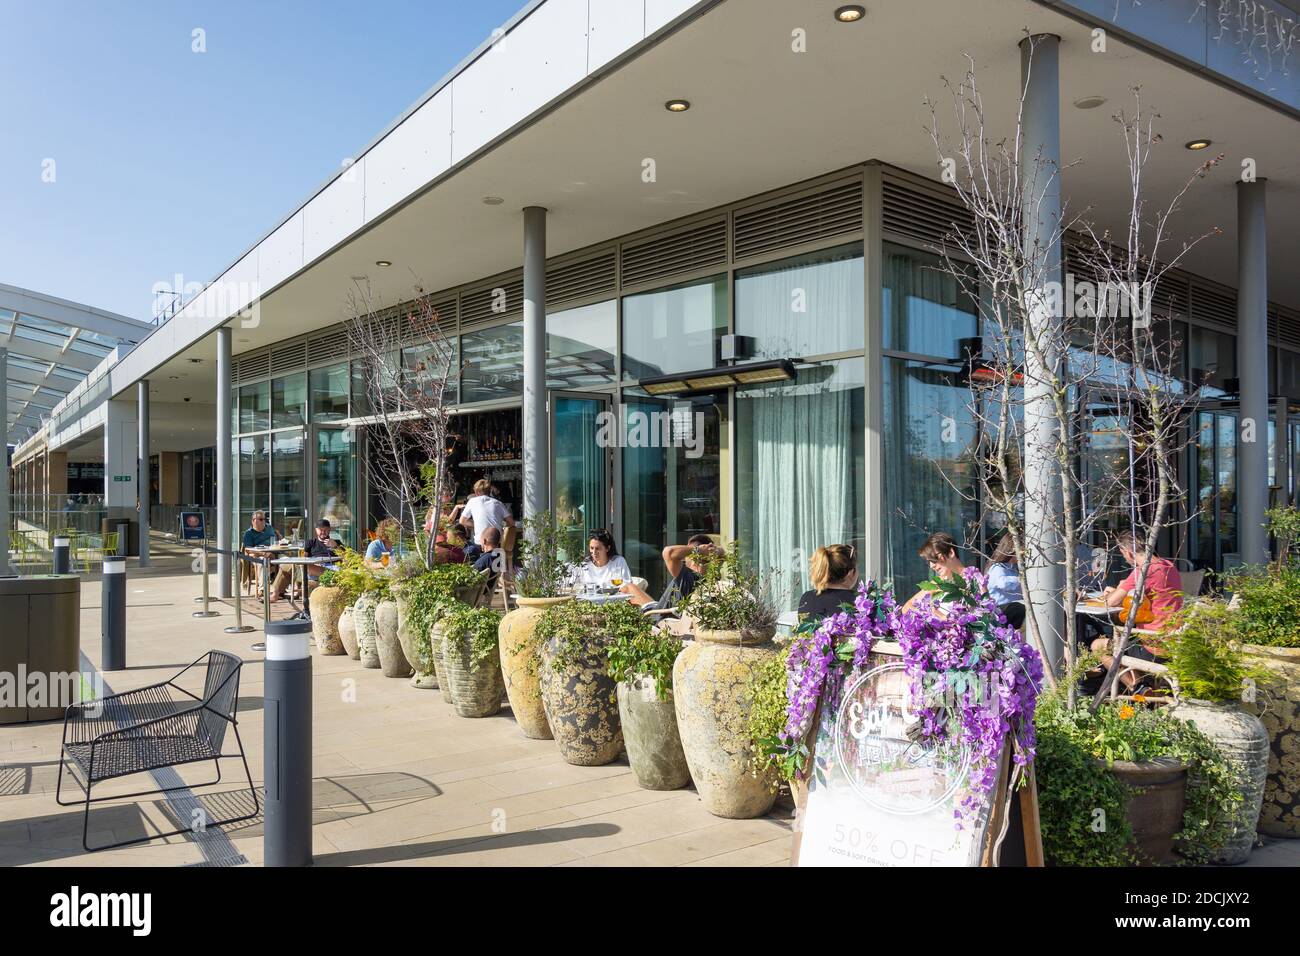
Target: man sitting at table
[259, 534]
[491, 558]
[684, 570]
[1164, 587]
[321, 546]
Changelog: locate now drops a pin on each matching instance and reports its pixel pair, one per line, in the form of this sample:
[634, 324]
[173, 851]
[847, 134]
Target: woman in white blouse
[604, 567]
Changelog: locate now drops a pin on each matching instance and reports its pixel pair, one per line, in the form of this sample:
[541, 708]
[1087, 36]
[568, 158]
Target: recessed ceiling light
[174, 378]
[1089, 102]
[851, 13]
[383, 263]
[196, 361]
[492, 200]
[1198, 143]
[677, 106]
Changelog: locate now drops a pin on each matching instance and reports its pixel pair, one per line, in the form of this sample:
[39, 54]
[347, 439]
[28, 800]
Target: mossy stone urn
[654, 746]
[1277, 704]
[326, 609]
[348, 633]
[711, 682]
[416, 647]
[475, 685]
[437, 641]
[581, 702]
[363, 618]
[392, 659]
[520, 663]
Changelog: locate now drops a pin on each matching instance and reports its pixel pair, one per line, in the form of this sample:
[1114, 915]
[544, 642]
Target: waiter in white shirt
[482, 511]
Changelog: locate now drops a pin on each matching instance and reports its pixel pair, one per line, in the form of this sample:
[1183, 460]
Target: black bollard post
[123, 538]
[62, 555]
[112, 615]
[286, 744]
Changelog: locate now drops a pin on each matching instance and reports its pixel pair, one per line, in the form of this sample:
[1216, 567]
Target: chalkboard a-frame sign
[877, 798]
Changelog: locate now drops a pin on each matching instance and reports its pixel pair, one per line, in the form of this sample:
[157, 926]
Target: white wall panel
[408, 157]
[534, 63]
[659, 12]
[615, 25]
[337, 212]
[280, 254]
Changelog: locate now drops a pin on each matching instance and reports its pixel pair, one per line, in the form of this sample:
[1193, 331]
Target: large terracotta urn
[475, 686]
[348, 633]
[326, 609]
[654, 746]
[711, 689]
[363, 618]
[416, 647]
[1242, 739]
[392, 659]
[1157, 796]
[581, 702]
[520, 662]
[1277, 704]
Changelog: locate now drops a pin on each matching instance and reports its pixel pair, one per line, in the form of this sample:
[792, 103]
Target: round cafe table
[599, 597]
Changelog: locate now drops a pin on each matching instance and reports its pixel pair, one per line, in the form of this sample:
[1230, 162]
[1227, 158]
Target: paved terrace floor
[399, 778]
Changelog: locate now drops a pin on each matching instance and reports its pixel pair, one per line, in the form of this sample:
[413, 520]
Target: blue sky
[170, 161]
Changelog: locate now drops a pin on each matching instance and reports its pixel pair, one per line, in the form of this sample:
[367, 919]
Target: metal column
[142, 453]
[286, 749]
[537, 497]
[1040, 167]
[223, 454]
[1252, 358]
[4, 471]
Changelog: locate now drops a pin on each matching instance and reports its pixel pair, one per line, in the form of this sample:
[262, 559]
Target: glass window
[1213, 357]
[674, 330]
[329, 393]
[492, 363]
[929, 461]
[254, 478]
[289, 401]
[335, 467]
[255, 407]
[1290, 374]
[432, 361]
[925, 308]
[360, 400]
[287, 491]
[810, 305]
[799, 469]
[580, 346]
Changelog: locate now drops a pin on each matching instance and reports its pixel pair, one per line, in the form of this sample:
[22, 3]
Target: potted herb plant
[577, 691]
[541, 583]
[641, 661]
[768, 706]
[473, 669]
[734, 615]
[327, 605]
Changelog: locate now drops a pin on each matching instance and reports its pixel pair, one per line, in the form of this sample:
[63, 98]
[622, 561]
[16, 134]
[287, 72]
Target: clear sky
[167, 160]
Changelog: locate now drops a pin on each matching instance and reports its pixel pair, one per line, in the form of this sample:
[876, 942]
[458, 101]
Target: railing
[46, 513]
[166, 519]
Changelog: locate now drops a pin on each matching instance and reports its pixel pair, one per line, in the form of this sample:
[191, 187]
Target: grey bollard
[112, 615]
[286, 744]
[123, 538]
[62, 555]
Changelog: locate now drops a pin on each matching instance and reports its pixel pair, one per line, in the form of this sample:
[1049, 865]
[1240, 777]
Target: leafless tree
[407, 414]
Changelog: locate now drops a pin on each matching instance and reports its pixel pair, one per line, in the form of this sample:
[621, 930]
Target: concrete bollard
[286, 744]
[62, 555]
[112, 615]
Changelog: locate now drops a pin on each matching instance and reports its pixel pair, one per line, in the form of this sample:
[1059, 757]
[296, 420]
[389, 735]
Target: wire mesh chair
[162, 725]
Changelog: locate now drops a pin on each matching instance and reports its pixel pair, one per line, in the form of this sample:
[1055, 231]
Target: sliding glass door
[581, 443]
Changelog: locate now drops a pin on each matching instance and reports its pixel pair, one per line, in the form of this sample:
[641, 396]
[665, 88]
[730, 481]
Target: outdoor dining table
[303, 562]
[601, 597]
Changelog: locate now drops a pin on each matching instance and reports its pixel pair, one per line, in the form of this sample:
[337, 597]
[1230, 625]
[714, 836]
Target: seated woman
[382, 547]
[834, 573]
[940, 552]
[1004, 582]
[449, 548]
[604, 565]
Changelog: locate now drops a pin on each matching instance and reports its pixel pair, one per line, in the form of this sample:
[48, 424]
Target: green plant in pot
[767, 719]
[577, 691]
[1215, 680]
[424, 598]
[542, 582]
[641, 659]
[327, 606]
[473, 664]
[1267, 601]
[733, 612]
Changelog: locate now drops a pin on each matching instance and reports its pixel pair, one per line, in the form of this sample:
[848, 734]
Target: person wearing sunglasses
[833, 571]
[604, 567]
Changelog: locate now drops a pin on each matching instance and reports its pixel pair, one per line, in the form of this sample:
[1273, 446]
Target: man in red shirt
[1163, 587]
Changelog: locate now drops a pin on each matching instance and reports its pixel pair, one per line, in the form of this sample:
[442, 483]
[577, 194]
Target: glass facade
[580, 346]
[492, 366]
[675, 329]
[810, 305]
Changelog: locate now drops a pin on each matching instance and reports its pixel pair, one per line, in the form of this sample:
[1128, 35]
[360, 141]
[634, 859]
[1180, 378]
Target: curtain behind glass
[811, 305]
[926, 311]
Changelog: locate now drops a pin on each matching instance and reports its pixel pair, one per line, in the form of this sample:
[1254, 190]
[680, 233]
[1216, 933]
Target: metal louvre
[329, 346]
[1172, 297]
[1285, 327]
[478, 305]
[832, 212]
[1214, 306]
[922, 214]
[252, 365]
[288, 357]
[690, 250]
[582, 280]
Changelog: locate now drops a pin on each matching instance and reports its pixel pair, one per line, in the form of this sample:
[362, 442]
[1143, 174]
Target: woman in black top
[834, 573]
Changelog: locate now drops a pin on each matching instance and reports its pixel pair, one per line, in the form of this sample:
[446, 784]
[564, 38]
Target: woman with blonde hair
[834, 573]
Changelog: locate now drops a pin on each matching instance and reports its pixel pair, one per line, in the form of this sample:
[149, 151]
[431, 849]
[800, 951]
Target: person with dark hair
[604, 565]
[940, 552]
[1004, 582]
[320, 546]
[682, 561]
[834, 573]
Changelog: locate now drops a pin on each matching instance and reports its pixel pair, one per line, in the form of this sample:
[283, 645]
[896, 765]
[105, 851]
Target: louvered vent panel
[289, 357]
[833, 212]
[1215, 306]
[688, 251]
[1287, 330]
[581, 280]
[413, 319]
[1076, 263]
[253, 365]
[329, 346]
[923, 215]
[476, 306]
[1172, 296]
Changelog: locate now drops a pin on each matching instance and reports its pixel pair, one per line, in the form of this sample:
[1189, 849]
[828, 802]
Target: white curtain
[803, 308]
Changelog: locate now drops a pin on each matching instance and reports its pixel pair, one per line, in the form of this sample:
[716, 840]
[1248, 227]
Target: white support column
[537, 456]
[142, 468]
[4, 465]
[223, 454]
[1252, 359]
[1040, 182]
[121, 460]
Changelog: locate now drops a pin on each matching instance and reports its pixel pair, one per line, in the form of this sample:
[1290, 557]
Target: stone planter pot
[363, 618]
[520, 664]
[417, 650]
[436, 641]
[581, 705]
[711, 687]
[654, 747]
[326, 609]
[392, 660]
[1154, 808]
[348, 634]
[475, 687]
[1278, 706]
[1244, 742]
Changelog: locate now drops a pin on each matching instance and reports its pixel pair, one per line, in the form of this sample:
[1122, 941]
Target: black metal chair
[162, 725]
